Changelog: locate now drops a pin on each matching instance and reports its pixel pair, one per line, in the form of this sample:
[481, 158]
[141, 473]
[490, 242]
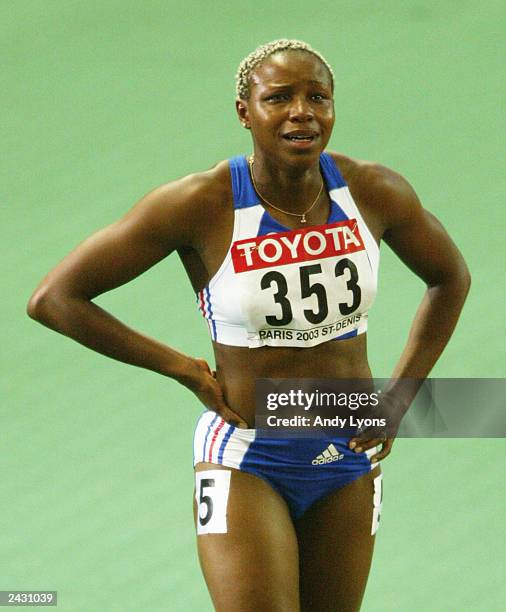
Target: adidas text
[329, 455]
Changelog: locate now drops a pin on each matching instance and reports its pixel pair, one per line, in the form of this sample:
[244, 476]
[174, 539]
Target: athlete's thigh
[336, 545]
[252, 563]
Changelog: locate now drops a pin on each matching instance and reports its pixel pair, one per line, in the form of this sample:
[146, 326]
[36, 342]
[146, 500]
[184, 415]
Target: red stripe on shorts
[215, 435]
[202, 303]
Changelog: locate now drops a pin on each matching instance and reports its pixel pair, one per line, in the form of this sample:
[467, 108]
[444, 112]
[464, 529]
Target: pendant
[303, 218]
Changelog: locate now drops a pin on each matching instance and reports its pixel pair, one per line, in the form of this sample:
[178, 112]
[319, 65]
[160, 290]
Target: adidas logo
[329, 455]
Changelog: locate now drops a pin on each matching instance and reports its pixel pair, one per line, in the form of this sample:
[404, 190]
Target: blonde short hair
[261, 53]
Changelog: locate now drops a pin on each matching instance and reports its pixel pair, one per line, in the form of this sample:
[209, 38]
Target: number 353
[307, 288]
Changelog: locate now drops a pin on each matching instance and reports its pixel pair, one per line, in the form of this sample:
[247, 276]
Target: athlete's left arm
[423, 244]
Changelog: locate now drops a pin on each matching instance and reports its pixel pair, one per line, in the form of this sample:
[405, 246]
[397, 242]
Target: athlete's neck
[289, 185]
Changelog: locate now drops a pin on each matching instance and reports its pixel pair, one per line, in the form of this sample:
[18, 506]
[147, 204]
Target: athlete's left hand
[390, 410]
[361, 444]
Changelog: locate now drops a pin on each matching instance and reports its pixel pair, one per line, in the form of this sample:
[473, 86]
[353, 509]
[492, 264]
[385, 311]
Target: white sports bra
[283, 287]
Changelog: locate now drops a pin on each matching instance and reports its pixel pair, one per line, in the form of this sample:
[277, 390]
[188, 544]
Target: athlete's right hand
[202, 381]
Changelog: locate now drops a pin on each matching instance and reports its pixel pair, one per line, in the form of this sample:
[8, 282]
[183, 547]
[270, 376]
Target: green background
[101, 101]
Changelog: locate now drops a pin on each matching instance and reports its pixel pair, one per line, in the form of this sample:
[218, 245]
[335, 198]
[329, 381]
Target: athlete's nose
[300, 109]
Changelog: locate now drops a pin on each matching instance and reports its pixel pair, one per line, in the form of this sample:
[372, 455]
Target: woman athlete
[282, 250]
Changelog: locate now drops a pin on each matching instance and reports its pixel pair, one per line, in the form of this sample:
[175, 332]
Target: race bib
[306, 286]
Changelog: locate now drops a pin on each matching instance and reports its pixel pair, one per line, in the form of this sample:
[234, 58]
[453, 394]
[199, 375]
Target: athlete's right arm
[161, 222]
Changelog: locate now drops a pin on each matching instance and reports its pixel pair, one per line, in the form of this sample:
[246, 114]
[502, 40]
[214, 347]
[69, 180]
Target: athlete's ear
[241, 107]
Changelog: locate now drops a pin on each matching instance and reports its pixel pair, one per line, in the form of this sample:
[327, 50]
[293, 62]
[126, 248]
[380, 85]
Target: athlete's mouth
[300, 136]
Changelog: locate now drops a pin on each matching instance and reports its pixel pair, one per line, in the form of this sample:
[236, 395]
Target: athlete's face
[290, 110]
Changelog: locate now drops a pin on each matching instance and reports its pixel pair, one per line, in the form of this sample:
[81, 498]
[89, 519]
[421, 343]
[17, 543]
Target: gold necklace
[302, 216]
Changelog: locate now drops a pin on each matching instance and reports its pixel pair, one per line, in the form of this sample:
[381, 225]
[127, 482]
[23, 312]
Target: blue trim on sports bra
[268, 224]
[332, 178]
[246, 196]
[242, 187]
[331, 173]
[351, 334]
[207, 297]
[336, 213]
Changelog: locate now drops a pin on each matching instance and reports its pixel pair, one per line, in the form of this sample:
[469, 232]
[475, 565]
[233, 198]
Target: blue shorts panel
[291, 466]
[301, 470]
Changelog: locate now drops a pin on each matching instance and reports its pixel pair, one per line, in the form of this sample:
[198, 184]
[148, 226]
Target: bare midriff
[237, 368]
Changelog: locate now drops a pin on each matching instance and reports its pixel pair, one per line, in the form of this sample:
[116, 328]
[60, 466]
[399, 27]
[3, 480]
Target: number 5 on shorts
[211, 492]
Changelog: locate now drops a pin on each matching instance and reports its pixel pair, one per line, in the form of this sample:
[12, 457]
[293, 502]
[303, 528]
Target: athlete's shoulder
[180, 211]
[370, 175]
[378, 186]
[198, 189]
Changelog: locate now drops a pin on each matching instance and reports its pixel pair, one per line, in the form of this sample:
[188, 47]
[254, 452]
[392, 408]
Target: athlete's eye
[279, 97]
[319, 97]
